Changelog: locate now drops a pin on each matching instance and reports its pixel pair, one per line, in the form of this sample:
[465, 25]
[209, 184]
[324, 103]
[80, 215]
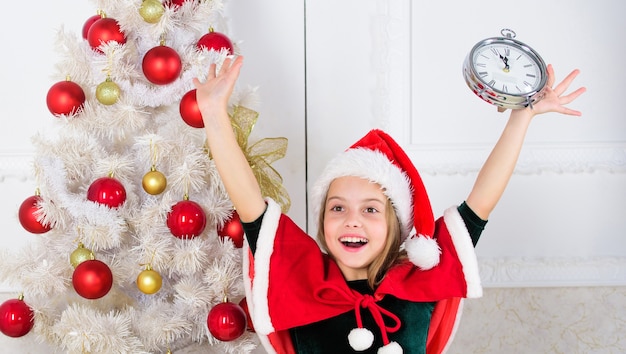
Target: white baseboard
[552, 272]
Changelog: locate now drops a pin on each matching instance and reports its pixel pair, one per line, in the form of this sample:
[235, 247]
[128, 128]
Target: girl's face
[355, 226]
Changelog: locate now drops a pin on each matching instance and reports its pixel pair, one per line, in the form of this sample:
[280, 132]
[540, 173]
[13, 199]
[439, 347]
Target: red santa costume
[290, 282]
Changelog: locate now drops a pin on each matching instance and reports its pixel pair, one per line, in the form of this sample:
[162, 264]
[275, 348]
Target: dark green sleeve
[251, 230]
[474, 224]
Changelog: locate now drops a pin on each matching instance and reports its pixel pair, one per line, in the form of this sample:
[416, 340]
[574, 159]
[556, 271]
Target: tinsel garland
[261, 155]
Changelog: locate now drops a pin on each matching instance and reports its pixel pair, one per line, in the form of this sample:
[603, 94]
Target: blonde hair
[391, 253]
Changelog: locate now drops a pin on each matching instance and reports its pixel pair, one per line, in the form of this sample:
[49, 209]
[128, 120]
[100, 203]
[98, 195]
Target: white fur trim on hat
[360, 339]
[375, 167]
[423, 251]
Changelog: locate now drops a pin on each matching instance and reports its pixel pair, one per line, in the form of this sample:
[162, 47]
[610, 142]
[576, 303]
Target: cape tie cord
[261, 155]
[347, 297]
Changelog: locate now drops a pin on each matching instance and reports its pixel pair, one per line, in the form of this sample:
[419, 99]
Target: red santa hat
[379, 159]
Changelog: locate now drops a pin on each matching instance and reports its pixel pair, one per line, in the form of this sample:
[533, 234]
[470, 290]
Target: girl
[385, 277]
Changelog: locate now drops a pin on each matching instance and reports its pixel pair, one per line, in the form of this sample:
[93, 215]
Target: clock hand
[506, 63]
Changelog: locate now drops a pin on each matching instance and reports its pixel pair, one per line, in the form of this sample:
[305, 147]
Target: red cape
[287, 258]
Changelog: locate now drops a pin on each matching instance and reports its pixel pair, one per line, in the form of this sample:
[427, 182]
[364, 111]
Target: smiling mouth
[353, 242]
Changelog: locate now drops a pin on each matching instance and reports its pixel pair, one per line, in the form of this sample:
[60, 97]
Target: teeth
[353, 239]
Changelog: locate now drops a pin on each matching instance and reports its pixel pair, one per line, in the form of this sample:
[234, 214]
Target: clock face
[508, 68]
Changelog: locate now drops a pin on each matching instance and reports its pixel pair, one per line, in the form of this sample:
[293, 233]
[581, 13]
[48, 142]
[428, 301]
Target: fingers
[223, 69]
[566, 99]
[228, 67]
[570, 112]
[212, 71]
[232, 67]
[210, 75]
[563, 85]
[572, 96]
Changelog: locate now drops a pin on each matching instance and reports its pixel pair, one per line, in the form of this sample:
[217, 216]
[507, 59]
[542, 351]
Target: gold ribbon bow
[261, 155]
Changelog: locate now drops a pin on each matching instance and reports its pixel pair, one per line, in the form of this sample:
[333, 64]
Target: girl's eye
[371, 210]
[336, 208]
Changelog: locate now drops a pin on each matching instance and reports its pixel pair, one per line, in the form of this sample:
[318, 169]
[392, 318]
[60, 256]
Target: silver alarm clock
[505, 72]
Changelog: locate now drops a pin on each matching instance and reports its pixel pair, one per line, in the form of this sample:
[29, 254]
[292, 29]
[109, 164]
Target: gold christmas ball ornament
[149, 281]
[108, 92]
[154, 182]
[80, 255]
[151, 10]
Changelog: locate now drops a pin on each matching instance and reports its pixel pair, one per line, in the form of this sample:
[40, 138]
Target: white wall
[28, 64]
[272, 40]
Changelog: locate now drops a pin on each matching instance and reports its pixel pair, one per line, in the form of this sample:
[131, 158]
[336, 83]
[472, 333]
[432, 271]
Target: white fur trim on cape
[423, 251]
[465, 250]
[375, 167]
[247, 285]
[259, 289]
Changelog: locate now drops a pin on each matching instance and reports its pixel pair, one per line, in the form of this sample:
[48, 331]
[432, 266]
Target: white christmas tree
[137, 247]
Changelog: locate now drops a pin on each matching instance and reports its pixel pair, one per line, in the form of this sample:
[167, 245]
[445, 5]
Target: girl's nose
[353, 219]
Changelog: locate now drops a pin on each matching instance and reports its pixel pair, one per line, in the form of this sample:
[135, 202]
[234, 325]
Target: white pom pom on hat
[379, 159]
[423, 251]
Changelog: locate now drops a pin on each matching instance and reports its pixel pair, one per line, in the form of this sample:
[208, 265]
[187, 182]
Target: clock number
[495, 51]
[492, 83]
[504, 88]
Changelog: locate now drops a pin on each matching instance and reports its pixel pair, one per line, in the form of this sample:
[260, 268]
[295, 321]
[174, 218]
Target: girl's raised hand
[555, 99]
[215, 91]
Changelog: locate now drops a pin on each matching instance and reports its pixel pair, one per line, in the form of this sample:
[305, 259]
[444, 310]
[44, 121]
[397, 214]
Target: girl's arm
[497, 170]
[212, 97]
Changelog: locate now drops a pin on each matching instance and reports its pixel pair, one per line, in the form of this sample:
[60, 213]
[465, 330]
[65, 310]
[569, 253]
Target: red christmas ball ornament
[226, 321]
[90, 21]
[65, 97]
[16, 317]
[186, 219]
[233, 230]
[92, 279]
[189, 110]
[161, 65]
[107, 191]
[105, 30]
[215, 41]
[244, 306]
[176, 3]
[28, 216]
